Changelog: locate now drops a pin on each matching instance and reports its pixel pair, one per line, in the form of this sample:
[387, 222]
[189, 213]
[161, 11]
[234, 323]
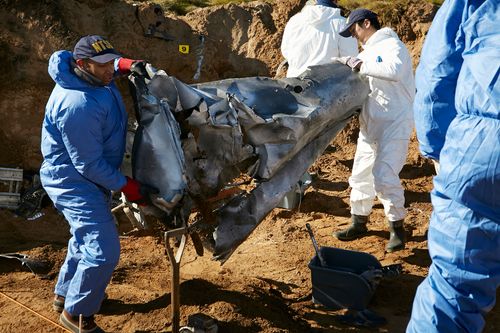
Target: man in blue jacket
[457, 114]
[83, 142]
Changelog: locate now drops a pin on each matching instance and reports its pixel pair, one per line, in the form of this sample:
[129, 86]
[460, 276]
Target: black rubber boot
[397, 237]
[356, 230]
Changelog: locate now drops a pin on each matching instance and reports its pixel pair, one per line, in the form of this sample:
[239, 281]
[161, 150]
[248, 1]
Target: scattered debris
[32, 201]
[214, 132]
[152, 30]
[200, 323]
[293, 198]
[199, 58]
[13, 178]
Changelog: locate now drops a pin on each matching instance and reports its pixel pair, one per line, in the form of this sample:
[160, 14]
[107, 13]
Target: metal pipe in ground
[175, 260]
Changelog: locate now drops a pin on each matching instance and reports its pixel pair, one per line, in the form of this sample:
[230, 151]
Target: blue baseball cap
[95, 48]
[356, 16]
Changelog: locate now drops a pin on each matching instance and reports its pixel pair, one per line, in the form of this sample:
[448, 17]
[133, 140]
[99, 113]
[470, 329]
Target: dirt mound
[234, 40]
[238, 41]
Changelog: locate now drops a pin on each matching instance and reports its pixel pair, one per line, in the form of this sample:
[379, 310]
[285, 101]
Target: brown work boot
[397, 236]
[356, 230]
[72, 323]
[58, 302]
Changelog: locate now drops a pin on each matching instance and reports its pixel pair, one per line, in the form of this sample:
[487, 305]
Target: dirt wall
[239, 40]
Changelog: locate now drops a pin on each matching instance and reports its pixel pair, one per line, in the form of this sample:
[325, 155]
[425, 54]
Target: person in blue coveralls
[457, 114]
[83, 143]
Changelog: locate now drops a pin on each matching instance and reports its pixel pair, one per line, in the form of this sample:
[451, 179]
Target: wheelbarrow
[345, 279]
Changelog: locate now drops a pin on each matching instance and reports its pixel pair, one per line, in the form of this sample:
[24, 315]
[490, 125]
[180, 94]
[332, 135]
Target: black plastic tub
[339, 284]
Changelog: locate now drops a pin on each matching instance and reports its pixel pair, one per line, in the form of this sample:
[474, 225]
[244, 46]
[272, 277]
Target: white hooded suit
[311, 37]
[386, 123]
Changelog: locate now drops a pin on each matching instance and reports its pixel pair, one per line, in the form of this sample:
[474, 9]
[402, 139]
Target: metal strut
[175, 261]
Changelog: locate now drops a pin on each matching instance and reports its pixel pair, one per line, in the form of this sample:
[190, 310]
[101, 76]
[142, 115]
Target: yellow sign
[183, 48]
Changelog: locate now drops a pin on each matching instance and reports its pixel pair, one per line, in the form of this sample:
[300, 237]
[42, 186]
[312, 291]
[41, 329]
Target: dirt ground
[265, 286]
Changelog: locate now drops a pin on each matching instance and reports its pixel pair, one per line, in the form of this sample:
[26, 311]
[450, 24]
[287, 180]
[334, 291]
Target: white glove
[352, 62]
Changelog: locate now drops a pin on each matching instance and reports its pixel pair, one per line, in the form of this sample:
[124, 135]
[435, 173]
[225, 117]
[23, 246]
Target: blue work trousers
[465, 271]
[93, 253]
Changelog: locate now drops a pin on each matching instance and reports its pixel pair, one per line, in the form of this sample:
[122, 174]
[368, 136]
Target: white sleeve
[287, 41]
[387, 66]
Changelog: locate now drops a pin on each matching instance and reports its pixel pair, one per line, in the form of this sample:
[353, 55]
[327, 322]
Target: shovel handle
[315, 244]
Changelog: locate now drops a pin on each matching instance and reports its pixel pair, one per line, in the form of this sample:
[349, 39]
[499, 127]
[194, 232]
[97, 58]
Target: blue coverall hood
[61, 71]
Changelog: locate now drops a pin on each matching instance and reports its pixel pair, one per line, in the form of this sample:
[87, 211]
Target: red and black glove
[138, 193]
[125, 66]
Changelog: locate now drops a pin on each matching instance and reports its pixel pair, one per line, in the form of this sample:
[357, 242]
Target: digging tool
[132, 211]
[316, 247]
[175, 261]
[35, 266]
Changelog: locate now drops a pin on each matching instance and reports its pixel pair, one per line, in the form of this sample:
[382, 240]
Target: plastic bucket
[339, 284]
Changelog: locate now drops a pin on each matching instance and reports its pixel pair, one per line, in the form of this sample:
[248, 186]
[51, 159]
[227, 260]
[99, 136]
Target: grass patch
[390, 12]
[376, 6]
[392, 8]
[183, 7]
[380, 4]
[436, 2]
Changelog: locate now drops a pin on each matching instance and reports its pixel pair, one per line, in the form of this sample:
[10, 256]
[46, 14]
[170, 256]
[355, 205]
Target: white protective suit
[386, 123]
[311, 37]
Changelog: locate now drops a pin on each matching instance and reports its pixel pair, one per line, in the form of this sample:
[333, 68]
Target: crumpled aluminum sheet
[193, 140]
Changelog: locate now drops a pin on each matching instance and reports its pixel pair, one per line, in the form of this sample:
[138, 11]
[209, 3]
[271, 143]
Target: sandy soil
[266, 284]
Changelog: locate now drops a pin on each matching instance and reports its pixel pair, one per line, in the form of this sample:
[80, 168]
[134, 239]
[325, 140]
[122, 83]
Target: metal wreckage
[197, 143]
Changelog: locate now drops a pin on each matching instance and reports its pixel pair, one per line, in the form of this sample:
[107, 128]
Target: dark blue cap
[356, 16]
[96, 48]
